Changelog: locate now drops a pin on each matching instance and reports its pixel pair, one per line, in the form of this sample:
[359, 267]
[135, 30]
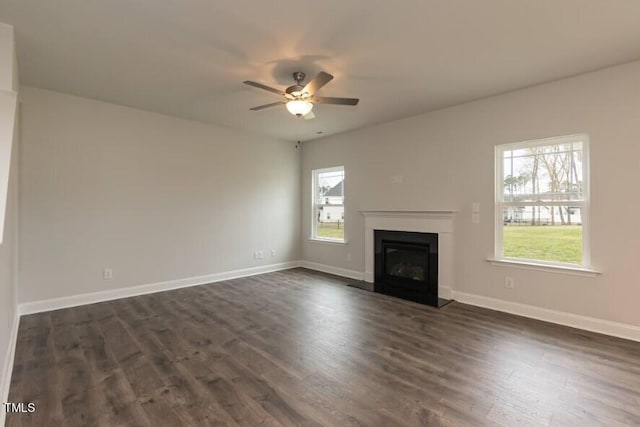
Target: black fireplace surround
[406, 265]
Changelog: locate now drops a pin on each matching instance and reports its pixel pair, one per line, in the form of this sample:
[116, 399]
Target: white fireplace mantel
[402, 212]
[423, 221]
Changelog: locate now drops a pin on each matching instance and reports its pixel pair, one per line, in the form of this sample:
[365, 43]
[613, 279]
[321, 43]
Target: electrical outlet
[509, 283]
[273, 253]
[396, 179]
[107, 274]
[256, 255]
[260, 255]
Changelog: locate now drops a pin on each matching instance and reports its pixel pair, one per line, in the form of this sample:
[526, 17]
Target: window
[328, 204]
[542, 201]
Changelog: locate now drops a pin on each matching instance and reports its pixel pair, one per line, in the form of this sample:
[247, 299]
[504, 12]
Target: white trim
[343, 272]
[434, 221]
[445, 292]
[583, 204]
[549, 268]
[551, 140]
[408, 213]
[616, 329]
[94, 297]
[7, 369]
[329, 241]
[315, 204]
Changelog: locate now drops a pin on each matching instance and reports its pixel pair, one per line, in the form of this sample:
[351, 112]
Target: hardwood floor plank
[235, 401]
[40, 376]
[299, 348]
[194, 405]
[122, 403]
[76, 386]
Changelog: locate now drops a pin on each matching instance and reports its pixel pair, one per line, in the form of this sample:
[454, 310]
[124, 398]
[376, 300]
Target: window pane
[329, 204]
[543, 173]
[545, 233]
[330, 187]
[330, 222]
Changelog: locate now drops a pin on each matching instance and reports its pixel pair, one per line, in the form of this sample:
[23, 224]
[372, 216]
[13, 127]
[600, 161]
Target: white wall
[8, 62]
[8, 207]
[153, 197]
[446, 161]
[8, 116]
[9, 274]
[8, 111]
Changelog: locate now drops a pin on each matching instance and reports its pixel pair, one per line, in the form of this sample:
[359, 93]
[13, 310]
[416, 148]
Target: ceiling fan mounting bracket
[299, 76]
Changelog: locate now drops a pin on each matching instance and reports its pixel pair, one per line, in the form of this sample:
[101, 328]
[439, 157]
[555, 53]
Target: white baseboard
[351, 274]
[94, 297]
[616, 329]
[7, 369]
[444, 292]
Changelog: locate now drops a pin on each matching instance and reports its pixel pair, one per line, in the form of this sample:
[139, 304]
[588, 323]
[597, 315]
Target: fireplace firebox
[406, 265]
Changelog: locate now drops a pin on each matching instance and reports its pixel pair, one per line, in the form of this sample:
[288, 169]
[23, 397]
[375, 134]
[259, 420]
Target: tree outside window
[541, 200]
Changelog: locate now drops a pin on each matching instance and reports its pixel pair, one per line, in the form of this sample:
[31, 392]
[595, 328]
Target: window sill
[328, 241]
[528, 265]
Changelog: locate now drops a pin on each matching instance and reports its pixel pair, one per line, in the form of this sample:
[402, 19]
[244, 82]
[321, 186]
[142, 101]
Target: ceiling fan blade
[309, 116]
[262, 107]
[335, 101]
[263, 87]
[320, 80]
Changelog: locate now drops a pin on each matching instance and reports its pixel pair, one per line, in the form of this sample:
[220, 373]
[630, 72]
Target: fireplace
[439, 222]
[406, 265]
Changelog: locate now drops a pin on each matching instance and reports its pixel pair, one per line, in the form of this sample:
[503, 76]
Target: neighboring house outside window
[328, 204]
[542, 201]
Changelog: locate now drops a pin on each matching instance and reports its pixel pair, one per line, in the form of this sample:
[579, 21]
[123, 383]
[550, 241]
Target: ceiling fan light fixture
[299, 107]
[299, 99]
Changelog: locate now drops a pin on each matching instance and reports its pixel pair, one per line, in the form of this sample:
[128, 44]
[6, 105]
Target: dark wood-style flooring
[299, 348]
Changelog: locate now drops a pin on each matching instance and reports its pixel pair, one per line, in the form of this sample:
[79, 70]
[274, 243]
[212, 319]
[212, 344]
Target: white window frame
[584, 204]
[314, 204]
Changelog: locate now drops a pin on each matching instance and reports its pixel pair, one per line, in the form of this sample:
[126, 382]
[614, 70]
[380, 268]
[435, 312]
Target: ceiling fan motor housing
[296, 89]
[298, 76]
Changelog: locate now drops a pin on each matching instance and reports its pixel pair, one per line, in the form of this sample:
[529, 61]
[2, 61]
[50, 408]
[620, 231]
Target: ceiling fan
[300, 99]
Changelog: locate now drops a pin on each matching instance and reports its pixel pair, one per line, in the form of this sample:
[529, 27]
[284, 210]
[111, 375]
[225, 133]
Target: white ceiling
[188, 58]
